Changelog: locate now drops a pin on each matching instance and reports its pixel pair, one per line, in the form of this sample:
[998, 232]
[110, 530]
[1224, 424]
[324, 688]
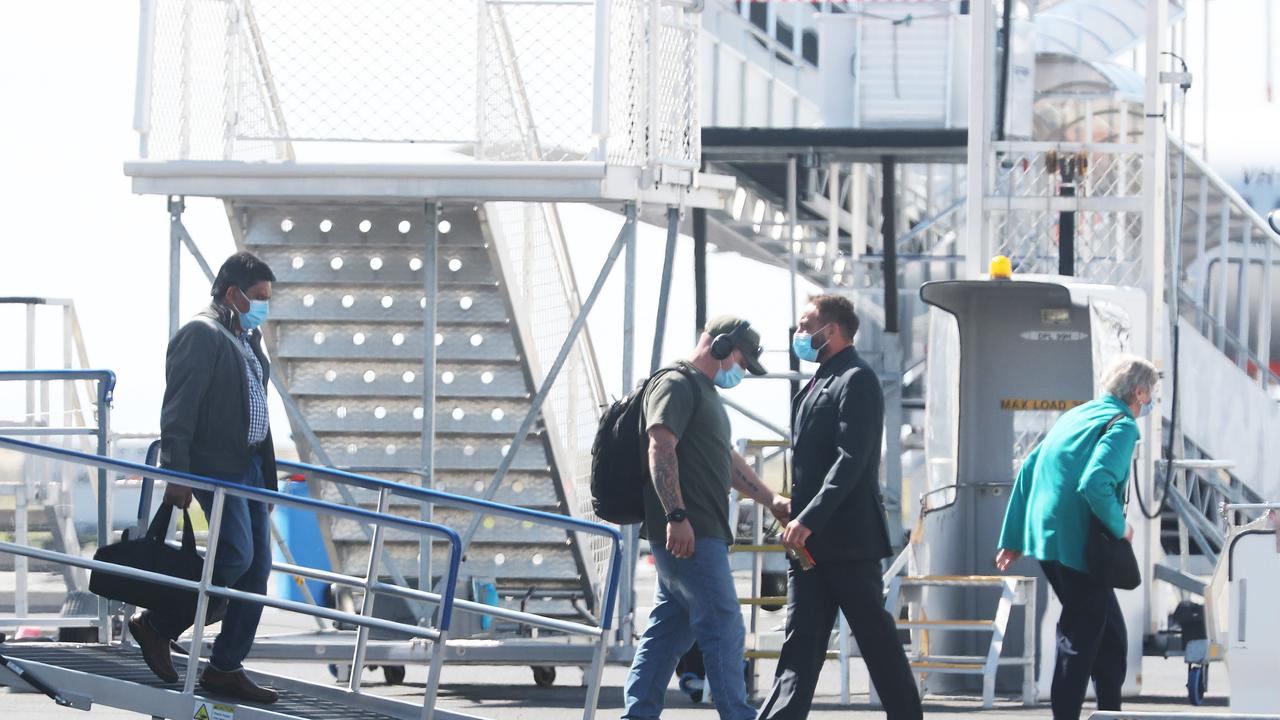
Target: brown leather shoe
[155, 648]
[235, 684]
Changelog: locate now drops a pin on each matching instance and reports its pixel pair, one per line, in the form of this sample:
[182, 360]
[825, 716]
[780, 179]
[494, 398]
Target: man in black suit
[839, 519]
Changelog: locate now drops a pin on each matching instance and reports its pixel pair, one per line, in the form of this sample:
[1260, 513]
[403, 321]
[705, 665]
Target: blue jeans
[243, 562]
[695, 601]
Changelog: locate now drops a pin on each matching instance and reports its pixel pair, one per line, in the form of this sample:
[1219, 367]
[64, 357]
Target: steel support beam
[792, 190]
[625, 236]
[430, 290]
[176, 205]
[664, 289]
[889, 238]
[1154, 179]
[892, 346]
[699, 271]
[629, 312]
[980, 72]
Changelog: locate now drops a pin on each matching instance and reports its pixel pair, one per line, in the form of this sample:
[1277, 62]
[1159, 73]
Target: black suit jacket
[839, 422]
[204, 421]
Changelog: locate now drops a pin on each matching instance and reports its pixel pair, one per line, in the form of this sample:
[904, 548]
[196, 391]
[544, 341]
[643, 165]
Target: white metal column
[980, 71]
[1153, 252]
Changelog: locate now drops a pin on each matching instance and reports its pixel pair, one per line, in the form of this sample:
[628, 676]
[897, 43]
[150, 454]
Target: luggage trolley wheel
[543, 675]
[691, 684]
[393, 674]
[1197, 682]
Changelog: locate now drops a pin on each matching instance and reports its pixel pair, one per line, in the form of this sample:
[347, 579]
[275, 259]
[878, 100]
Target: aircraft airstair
[427, 324]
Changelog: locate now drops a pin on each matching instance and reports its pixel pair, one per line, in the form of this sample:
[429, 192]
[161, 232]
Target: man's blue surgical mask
[731, 377]
[1145, 410]
[802, 345]
[255, 315]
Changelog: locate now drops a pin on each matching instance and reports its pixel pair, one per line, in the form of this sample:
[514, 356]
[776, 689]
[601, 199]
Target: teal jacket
[1070, 474]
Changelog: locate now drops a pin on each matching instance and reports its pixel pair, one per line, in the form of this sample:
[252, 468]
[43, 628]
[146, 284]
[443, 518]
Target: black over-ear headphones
[723, 344]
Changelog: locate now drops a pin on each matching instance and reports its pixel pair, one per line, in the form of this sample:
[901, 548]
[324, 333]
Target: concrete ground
[508, 693]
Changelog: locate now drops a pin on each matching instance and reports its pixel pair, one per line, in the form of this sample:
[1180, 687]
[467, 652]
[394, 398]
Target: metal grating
[126, 665]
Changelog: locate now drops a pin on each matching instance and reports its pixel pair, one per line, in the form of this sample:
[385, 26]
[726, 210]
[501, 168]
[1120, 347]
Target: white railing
[1027, 198]
[530, 250]
[754, 79]
[1229, 257]
[599, 80]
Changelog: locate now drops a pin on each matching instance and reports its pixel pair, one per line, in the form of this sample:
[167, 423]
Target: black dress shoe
[155, 648]
[235, 684]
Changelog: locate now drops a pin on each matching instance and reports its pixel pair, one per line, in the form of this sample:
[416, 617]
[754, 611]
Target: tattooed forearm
[665, 470]
[746, 482]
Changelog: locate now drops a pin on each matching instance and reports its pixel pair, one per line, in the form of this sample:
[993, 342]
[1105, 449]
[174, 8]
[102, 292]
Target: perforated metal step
[346, 332]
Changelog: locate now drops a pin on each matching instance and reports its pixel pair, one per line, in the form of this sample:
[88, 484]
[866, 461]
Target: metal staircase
[830, 216]
[347, 332]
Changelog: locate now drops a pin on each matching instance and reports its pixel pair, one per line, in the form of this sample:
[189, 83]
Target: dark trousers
[813, 598]
[1092, 642]
[243, 562]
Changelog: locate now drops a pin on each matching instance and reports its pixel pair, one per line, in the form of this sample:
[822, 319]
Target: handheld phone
[802, 558]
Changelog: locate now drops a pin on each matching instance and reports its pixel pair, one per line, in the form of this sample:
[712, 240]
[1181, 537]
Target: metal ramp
[117, 677]
[347, 328]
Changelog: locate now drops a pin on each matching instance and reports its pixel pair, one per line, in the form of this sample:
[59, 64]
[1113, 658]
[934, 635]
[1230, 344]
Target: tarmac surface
[506, 692]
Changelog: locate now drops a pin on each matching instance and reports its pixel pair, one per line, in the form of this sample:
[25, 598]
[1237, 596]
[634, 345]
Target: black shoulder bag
[1111, 560]
[150, 552]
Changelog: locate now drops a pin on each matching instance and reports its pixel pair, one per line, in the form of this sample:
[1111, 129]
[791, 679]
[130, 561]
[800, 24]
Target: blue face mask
[1145, 410]
[731, 377]
[255, 315]
[802, 345]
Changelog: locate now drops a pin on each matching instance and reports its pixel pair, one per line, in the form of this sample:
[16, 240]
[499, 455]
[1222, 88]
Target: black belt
[255, 447]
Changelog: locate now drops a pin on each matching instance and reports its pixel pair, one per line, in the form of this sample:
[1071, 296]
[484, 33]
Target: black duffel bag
[150, 553]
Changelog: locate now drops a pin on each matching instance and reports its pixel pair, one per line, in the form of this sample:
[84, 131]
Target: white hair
[1127, 374]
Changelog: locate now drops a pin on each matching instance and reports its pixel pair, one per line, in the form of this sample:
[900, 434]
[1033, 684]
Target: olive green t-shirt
[697, 417]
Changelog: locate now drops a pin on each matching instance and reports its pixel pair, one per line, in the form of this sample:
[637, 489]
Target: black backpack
[620, 456]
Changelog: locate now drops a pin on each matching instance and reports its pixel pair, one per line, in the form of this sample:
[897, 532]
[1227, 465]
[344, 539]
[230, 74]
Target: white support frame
[1015, 591]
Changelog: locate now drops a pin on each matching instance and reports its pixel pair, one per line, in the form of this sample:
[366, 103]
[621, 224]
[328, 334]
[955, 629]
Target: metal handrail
[107, 377]
[351, 476]
[204, 588]
[486, 507]
[1227, 191]
[106, 384]
[600, 635]
[1206, 319]
[1252, 506]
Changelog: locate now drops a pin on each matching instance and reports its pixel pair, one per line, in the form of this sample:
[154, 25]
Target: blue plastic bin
[301, 534]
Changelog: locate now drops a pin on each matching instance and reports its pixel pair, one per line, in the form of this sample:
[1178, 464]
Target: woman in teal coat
[1079, 470]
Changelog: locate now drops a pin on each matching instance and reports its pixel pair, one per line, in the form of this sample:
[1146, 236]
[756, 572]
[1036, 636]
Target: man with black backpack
[686, 519]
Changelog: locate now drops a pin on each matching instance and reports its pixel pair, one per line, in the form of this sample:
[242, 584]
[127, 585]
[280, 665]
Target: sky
[73, 229]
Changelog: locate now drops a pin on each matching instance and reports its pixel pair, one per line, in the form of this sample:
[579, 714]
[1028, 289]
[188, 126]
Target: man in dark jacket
[839, 520]
[214, 423]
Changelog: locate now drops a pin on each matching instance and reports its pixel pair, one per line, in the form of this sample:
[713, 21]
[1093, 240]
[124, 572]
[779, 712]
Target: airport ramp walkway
[117, 677]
